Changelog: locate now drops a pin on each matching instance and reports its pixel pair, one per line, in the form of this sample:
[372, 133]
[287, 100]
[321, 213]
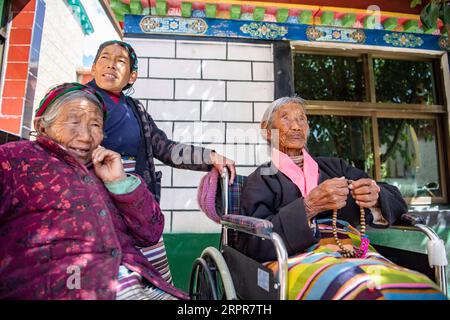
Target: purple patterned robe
[62, 234]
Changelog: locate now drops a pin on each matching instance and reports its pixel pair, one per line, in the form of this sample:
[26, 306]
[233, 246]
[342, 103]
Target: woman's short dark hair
[131, 54]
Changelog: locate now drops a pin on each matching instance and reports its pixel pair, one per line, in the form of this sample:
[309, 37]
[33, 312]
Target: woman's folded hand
[329, 195]
[365, 192]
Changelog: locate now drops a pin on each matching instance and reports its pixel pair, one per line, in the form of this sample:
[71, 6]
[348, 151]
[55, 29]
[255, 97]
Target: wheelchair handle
[225, 178]
[412, 219]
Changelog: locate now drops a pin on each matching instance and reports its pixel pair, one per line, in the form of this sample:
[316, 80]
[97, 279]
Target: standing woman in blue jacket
[131, 131]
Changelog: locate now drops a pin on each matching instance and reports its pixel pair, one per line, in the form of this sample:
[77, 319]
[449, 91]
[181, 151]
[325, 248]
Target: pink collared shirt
[305, 179]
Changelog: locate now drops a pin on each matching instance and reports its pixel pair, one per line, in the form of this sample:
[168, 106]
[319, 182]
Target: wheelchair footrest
[251, 279]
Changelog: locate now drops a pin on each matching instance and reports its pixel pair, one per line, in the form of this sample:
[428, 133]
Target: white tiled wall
[199, 90]
[174, 110]
[60, 55]
[174, 68]
[208, 93]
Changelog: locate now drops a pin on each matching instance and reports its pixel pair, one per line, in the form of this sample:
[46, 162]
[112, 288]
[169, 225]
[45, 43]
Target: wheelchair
[228, 274]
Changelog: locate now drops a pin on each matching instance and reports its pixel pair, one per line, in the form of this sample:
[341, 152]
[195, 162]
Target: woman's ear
[40, 129]
[93, 70]
[133, 77]
[265, 132]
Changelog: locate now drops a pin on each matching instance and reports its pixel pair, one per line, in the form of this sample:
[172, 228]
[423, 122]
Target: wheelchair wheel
[210, 277]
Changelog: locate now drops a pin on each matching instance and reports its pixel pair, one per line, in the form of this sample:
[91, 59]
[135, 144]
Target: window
[380, 113]
[349, 138]
[329, 77]
[400, 81]
[408, 156]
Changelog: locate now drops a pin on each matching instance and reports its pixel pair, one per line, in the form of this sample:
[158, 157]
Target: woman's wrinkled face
[78, 128]
[112, 71]
[292, 125]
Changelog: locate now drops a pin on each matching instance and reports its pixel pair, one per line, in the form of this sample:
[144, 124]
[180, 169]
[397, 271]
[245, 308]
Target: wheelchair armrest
[410, 220]
[437, 256]
[255, 226]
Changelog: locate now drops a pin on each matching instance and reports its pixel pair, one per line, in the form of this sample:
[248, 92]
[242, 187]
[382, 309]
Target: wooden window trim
[350, 50]
[369, 107]
[438, 112]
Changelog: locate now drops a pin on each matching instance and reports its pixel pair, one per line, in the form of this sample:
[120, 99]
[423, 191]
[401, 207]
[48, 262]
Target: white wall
[204, 92]
[61, 48]
[64, 45]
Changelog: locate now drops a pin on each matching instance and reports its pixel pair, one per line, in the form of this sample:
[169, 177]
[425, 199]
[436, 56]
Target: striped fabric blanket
[133, 287]
[321, 273]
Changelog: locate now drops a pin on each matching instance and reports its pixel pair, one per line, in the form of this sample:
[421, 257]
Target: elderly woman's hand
[365, 192]
[219, 162]
[108, 165]
[329, 195]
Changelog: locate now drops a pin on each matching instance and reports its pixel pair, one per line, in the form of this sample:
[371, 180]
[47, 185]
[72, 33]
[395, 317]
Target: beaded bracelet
[364, 246]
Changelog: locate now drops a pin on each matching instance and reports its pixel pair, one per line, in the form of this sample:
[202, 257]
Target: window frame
[375, 110]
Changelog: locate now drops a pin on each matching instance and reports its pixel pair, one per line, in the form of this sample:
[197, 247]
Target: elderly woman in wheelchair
[309, 208]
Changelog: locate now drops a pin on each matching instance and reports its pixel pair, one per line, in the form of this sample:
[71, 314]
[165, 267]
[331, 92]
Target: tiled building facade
[209, 93]
[20, 66]
[42, 44]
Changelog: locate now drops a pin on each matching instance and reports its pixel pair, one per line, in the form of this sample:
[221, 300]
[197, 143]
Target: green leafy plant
[434, 10]
[415, 3]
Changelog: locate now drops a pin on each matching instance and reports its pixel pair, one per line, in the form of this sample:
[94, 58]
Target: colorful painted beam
[273, 11]
[138, 25]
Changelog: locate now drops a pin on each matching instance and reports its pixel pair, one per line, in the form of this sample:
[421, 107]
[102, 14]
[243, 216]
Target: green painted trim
[2, 17]
[119, 17]
[211, 10]
[369, 22]
[136, 6]
[390, 23]
[120, 9]
[282, 15]
[146, 11]
[186, 9]
[348, 20]
[182, 249]
[83, 18]
[327, 18]
[235, 12]
[161, 7]
[411, 26]
[258, 13]
[305, 17]
[337, 23]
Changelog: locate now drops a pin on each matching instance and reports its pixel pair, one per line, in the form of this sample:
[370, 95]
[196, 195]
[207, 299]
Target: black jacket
[156, 144]
[276, 198]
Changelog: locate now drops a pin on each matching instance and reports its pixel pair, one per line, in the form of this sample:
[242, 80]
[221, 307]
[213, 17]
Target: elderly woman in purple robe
[70, 217]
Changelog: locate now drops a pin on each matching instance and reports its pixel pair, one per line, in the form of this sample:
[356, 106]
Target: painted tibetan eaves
[347, 14]
[135, 25]
[82, 16]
